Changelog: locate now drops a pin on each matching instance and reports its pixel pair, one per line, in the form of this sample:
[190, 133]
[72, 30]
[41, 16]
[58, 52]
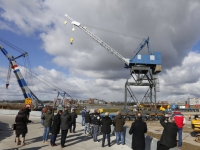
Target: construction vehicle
[30, 98]
[142, 66]
[195, 123]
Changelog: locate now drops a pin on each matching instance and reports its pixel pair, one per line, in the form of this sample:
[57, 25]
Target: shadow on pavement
[5, 131]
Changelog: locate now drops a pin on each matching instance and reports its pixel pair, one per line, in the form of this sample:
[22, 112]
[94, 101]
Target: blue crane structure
[63, 95]
[27, 93]
[142, 67]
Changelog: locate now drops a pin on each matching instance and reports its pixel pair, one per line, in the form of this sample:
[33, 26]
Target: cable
[36, 76]
[12, 46]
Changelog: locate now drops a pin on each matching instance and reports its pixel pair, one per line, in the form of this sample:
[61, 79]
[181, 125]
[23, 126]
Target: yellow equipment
[100, 110]
[195, 123]
[162, 108]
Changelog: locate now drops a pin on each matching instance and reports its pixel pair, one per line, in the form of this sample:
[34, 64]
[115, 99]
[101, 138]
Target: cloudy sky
[85, 69]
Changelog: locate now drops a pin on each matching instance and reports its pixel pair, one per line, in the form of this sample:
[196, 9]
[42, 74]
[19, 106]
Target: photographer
[168, 137]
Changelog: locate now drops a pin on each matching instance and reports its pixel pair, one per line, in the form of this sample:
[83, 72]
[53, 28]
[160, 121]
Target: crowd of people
[94, 123]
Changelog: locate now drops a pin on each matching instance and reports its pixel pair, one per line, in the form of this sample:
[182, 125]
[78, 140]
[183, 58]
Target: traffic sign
[28, 101]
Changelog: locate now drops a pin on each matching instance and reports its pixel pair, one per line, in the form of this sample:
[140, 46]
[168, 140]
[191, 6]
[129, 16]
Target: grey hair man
[118, 123]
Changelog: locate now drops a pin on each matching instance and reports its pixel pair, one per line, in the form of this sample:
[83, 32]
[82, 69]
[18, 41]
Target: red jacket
[179, 119]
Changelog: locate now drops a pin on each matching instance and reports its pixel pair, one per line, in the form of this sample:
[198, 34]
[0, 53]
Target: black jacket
[21, 123]
[138, 128]
[87, 118]
[73, 116]
[106, 122]
[95, 119]
[27, 111]
[55, 128]
[65, 120]
[168, 137]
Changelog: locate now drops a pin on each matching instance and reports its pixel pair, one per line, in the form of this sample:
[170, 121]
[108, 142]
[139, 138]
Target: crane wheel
[197, 139]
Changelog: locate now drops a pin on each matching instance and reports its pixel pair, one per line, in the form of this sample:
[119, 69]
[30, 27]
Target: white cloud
[173, 27]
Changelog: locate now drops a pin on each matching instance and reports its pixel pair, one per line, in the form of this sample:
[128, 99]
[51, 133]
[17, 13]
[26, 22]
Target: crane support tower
[142, 66]
[27, 93]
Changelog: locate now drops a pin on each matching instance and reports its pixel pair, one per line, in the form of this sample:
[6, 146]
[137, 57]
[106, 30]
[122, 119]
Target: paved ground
[76, 141]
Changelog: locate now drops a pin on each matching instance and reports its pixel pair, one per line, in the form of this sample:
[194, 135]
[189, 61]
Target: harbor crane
[29, 96]
[142, 66]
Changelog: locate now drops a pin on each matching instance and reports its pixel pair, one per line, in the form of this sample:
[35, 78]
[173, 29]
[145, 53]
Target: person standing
[48, 118]
[55, 128]
[73, 121]
[95, 121]
[168, 137]
[83, 112]
[138, 129]
[118, 123]
[87, 121]
[180, 121]
[21, 121]
[65, 125]
[106, 122]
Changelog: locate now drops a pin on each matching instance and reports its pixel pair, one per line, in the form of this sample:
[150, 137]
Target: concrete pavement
[76, 141]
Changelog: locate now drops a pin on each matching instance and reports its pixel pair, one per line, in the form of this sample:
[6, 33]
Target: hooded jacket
[179, 119]
[21, 123]
[118, 122]
[65, 120]
[48, 118]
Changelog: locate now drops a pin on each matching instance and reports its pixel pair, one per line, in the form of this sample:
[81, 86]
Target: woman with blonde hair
[106, 123]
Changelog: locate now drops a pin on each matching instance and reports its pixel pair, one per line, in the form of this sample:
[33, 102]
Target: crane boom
[27, 93]
[102, 43]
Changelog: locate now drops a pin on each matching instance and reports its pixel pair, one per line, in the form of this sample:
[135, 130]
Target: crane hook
[71, 40]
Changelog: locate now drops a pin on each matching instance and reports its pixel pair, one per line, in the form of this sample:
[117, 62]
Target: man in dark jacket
[87, 121]
[119, 122]
[95, 121]
[65, 125]
[138, 129]
[106, 122]
[168, 137]
[55, 128]
[73, 121]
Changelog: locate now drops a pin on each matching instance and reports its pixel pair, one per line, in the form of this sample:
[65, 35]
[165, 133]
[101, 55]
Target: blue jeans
[63, 137]
[96, 131]
[118, 135]
[180, 137]
[83, 121]
[87, 127]
[53, 139]
[46, 133]
[104, 137]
